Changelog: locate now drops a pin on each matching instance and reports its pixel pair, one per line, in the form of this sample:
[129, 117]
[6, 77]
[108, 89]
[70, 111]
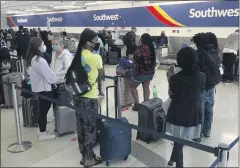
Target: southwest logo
[163, 17]
[53, 19]
[106, 17]
[212, 12]
[21, 20]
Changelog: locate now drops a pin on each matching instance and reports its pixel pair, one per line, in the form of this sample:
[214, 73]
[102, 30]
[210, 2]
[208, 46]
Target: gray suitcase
[14, 77]
[65, 120]
[151, 115]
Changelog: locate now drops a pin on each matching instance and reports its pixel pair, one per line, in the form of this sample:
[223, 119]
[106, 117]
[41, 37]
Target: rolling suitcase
[113, 58]
[17, 78]
[126, 94]
[151, 115]
[115, 141]
[65, 120]
[30, 111]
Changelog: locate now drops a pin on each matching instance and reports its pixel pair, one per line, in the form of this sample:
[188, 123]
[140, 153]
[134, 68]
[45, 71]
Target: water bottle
[154, 92]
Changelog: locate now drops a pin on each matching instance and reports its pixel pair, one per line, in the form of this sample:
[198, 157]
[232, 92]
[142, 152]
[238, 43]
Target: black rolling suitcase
[151, 115]
[30, 111]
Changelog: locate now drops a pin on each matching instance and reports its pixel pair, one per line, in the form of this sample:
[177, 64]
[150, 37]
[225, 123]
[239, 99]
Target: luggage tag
[221, 70]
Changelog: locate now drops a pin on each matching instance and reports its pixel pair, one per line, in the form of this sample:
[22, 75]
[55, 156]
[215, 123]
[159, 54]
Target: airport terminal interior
[180, 20]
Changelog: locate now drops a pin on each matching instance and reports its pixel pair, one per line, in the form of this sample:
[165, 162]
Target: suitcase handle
[115, 90]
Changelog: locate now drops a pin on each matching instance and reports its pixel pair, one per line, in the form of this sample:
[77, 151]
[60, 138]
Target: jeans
[207, 103]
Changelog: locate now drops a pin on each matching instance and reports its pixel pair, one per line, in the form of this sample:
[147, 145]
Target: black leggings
[44, 108]
[229, 60]
[177, 155]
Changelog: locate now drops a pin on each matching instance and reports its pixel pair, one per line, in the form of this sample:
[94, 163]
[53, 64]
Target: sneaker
[206, 135]
[170, 163]
[197, 140]
[135, 108]
[45, 136]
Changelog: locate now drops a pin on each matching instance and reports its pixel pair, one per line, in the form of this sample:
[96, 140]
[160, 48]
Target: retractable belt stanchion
[19, 146]
[222, 155]
[118, 84]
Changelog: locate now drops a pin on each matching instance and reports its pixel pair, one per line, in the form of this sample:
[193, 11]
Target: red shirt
[144, 63]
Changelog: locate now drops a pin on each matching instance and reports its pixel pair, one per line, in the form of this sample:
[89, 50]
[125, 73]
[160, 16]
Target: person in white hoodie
[61, 61]
[41, 78]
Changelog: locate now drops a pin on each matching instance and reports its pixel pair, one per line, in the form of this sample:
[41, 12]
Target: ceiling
[31, 7]
[11, 7]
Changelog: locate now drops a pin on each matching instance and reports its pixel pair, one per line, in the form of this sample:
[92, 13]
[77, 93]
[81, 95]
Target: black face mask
[96, 48]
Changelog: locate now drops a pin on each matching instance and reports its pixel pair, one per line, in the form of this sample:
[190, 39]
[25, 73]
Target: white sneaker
[45, 136]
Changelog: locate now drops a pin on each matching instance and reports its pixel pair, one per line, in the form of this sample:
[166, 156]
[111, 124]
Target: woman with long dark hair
[41, 78]
[87, 67]
[144, 60]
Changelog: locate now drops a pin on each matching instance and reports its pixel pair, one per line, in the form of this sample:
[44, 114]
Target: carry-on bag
[115, 140]
[65, 120]
[30, 111]
[151, 115]
[113, 58]
[126, 94]
[17, 78]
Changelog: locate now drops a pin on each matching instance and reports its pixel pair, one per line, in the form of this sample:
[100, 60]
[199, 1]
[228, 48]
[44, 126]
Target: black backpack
[209, 62]
[127, 39]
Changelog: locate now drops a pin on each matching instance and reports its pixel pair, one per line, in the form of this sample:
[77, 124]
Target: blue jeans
[207, 103]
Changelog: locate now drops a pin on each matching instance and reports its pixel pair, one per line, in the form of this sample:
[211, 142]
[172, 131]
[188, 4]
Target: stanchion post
[19, 146]
[119, 96]
[222, 155]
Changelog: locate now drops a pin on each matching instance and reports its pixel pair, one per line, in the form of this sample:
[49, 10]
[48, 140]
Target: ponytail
[77, 67]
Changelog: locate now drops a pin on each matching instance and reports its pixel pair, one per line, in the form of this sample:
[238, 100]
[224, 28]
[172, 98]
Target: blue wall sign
[202, 14]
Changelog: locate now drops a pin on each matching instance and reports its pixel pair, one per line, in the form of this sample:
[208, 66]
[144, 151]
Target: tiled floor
[62, 152]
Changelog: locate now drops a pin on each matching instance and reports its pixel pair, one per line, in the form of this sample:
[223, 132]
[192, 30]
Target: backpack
[127, 39]
[210, 64]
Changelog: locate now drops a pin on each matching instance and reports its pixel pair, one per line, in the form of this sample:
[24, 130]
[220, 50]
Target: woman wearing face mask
[87, 66]
[41, 78]
[144, 60]
[61, 61]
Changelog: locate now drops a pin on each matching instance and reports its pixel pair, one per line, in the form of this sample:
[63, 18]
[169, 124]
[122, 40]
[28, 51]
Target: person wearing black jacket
[209, 63]
[184, 113]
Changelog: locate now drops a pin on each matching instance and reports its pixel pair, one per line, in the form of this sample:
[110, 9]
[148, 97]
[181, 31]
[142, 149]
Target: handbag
[79, 89]
[64, 94]
[166, 105]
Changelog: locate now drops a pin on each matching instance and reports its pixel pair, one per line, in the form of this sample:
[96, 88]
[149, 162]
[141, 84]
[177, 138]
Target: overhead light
[17, 12]
[3, 1]
[60, 7]
[99, 2]
[73, 3]
[38, 9]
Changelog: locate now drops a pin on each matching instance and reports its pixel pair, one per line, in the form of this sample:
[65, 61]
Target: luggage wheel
[107, 163]
[125, 158]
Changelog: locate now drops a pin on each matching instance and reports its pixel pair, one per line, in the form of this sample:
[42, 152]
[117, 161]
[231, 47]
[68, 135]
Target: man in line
[230, 56]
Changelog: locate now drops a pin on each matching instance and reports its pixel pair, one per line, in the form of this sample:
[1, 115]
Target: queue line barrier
[221, 152]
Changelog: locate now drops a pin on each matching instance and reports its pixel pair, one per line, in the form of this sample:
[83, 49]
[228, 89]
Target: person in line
[87, 67]
[184, 113]
[61, 61]
[144, 60]
[5, 67]
[208, 59]
[230, 56]
[41, 79]
[130, 41]
[162, 40]
[212, 38]
[47, 42]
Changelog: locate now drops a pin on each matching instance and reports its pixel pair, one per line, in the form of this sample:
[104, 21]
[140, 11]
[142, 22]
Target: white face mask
[43, 49]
